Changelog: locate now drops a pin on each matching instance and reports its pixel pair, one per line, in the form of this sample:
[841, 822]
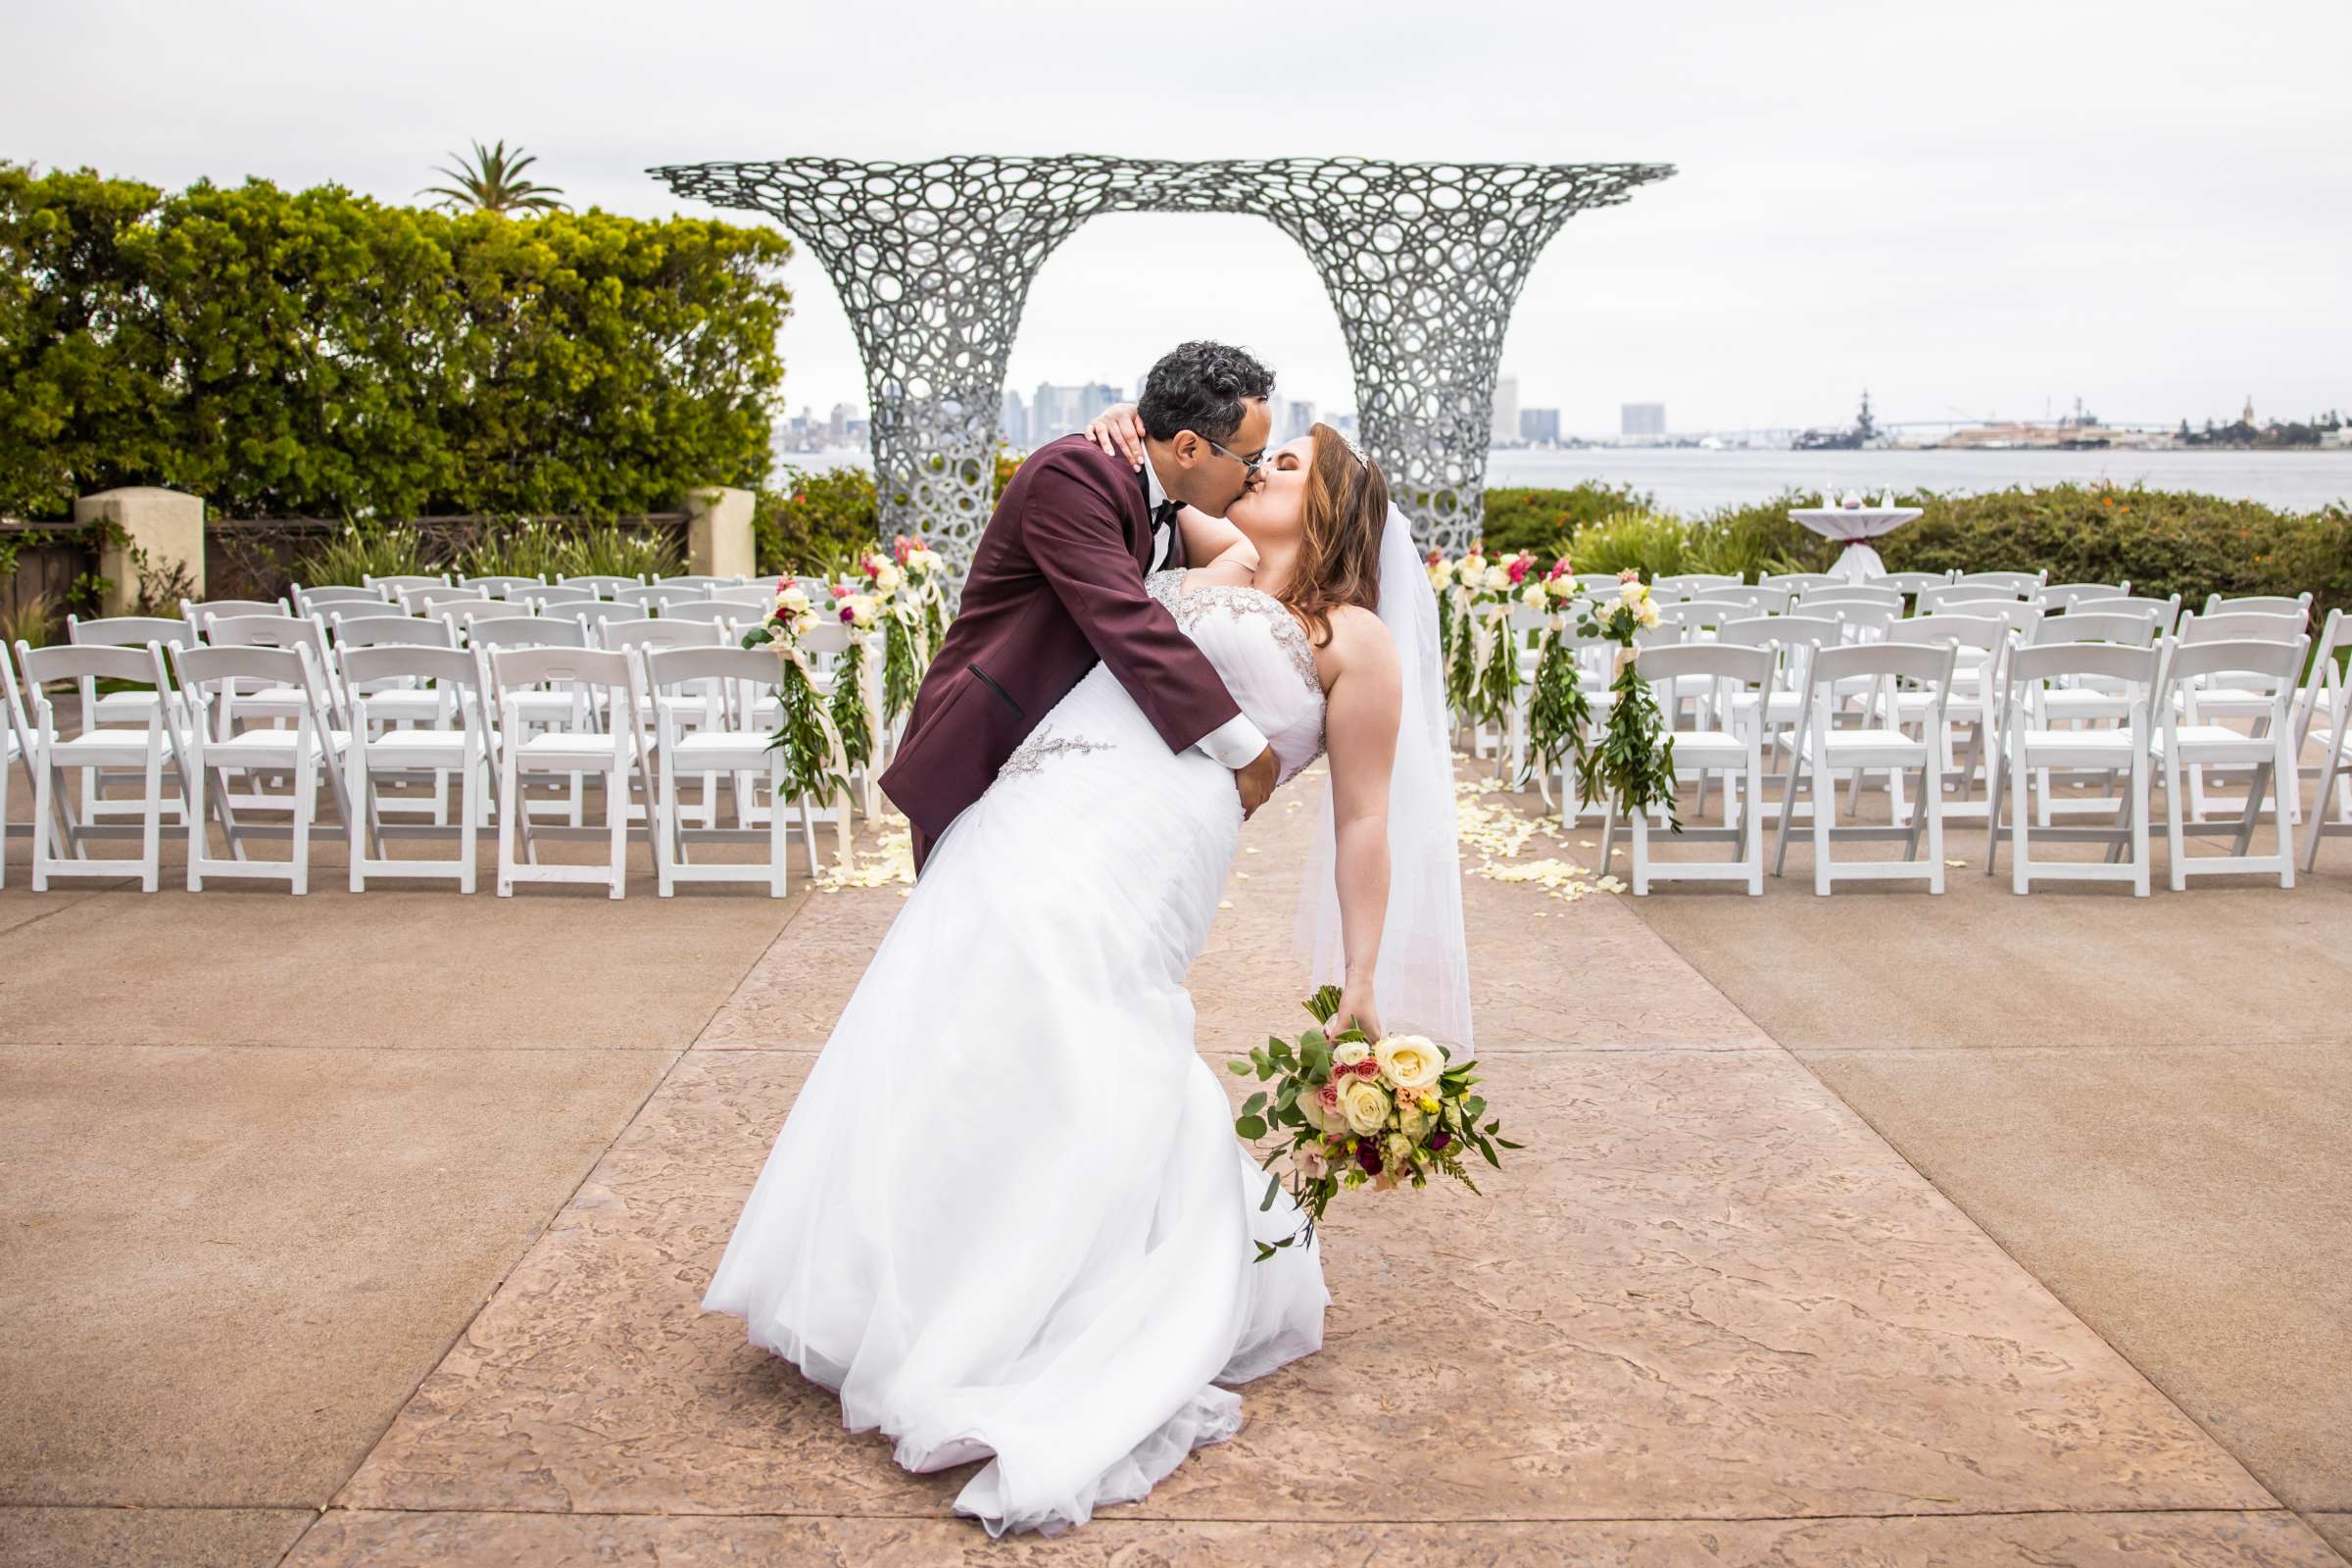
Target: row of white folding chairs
[2155, 682]
[188, 724]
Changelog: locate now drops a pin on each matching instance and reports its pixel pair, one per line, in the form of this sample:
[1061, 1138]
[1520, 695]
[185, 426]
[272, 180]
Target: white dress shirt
[1236, 743]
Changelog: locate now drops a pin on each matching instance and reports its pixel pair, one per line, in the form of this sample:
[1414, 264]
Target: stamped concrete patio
[312, 1252]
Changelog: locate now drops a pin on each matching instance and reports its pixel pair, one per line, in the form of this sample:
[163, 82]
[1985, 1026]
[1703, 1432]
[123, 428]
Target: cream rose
[1534, 597]
[1364, 1106]
[1412, 1062]
[886, 577]
[1497, 579]
[1411, 1119]
[793, 601]
[1348, 1052]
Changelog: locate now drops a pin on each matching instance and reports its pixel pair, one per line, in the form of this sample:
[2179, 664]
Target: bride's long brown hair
[1346, 511]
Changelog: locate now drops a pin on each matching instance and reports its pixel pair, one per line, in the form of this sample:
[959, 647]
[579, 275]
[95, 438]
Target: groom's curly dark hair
[1201, 387]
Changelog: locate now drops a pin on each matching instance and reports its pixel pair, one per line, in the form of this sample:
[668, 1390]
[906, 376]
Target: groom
[1057, 584]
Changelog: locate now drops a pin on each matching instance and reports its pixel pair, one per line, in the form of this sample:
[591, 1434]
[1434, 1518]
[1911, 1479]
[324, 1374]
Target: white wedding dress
[1008, 1217]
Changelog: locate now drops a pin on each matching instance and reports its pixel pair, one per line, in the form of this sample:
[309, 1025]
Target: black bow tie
[1164, 515]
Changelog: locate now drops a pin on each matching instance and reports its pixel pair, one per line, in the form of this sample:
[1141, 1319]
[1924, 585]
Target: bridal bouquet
[1351, 1111]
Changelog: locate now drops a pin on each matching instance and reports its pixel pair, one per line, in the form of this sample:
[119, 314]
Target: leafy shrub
[1655, 543]
[319, 354]
[816, 522]
[1543, 521]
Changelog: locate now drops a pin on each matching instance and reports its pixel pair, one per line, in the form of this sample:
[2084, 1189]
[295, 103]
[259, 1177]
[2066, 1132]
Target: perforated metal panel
[1423, 262]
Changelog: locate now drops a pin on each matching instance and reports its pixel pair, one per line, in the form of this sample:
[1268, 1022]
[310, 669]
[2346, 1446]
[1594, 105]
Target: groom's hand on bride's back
[1255, 782]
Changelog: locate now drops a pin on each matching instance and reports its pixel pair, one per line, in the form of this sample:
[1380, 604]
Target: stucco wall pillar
[163, 528]
[719, 532]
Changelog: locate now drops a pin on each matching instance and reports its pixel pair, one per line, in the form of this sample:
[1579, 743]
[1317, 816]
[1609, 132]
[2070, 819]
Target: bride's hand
[1356, 1007]
[1119, 433]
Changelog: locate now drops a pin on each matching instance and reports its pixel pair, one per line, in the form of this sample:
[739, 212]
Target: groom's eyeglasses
[1250, 465]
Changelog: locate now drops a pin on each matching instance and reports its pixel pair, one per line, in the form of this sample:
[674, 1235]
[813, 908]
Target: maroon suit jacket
[1056, 585]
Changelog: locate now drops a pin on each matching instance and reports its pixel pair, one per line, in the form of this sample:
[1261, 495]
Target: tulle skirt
[1007, 1218]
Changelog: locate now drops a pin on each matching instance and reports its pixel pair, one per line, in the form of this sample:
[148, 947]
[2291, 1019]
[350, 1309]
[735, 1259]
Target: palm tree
[493, 184]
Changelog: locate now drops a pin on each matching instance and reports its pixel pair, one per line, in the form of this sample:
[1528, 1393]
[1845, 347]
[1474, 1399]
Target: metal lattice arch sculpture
[1423, 262]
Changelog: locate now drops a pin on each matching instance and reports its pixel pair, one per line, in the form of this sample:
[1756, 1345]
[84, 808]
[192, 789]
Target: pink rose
[1311, 1162]
[1629, 574]
[1518, 568]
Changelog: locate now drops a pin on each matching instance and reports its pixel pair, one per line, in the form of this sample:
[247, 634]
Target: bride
[1007, 1218]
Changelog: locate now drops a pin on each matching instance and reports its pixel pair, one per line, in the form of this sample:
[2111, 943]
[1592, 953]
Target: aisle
[1707, 1310]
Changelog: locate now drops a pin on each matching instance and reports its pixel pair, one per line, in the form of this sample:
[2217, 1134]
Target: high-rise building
[1061, 410]
[1539, 427]
[1506, 411]
[1012, 419]
[1641, 418]
[1292, 418]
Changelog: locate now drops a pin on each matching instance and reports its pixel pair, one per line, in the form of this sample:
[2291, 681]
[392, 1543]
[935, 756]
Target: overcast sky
[1967, 209]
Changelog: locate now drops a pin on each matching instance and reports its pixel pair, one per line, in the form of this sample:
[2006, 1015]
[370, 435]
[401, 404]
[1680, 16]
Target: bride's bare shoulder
[1360, 644]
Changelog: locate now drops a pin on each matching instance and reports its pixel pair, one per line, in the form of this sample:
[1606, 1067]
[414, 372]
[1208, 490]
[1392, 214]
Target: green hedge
[319, 354]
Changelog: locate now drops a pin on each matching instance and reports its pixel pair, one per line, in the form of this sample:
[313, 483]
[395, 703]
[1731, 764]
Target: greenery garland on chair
[1558, 713]
[814, 765]
[1633, 766]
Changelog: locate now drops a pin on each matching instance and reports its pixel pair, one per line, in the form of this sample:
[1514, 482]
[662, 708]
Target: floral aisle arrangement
[1558, 713]
[853, 717]
[1498, 660]
[1633, 766]
[906, 586]
[1351, 1111]
[815, 765]
[1454, 581]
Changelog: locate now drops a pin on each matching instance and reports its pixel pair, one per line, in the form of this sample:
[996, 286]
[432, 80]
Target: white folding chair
[2023, 584]
[1798, 581]
[701, 580]
[502, 587]
[2164, 612]
[358, 610]
[2323, 720]
[60, 839]
[1813, 599]
[603, 585]
[2027, 744]
[561, 706]
[1980, 645]
[2062, 595]
[309, 754]
[384, 743]
[2204, 701]
[391, 586]
[458, 601]
[734, 617]
[400, 702]
[1694, 581]
[1910, 583]
[554, 599]
[725, 681]
[689, 708]
[327, 596]
[1951, 595]
[1734, 753]
[200, 611]
[660, 596]
[2083, 699]
[616, 753]
[124, 709]
[2244, 665]
[1782, 700]
[2260, 604]
[756, 599]
[16, 730]
[1825, 750]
